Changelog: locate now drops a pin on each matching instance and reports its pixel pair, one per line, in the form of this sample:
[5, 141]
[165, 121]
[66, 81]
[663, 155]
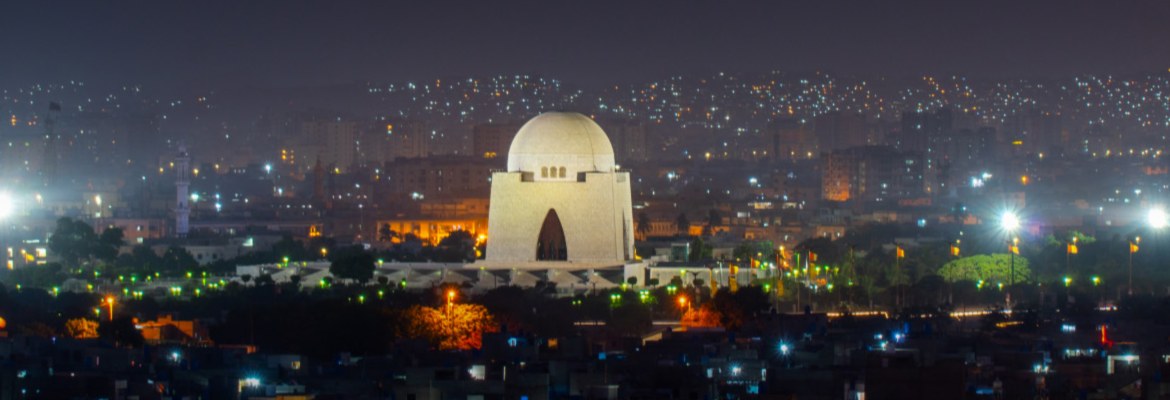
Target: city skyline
[524, 200]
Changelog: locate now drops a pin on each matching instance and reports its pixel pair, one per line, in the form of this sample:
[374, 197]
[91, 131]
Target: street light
[1010, 222]
[110, 303]
[7, 208]
[1133, 248]
[7, 205]
[1157, 218]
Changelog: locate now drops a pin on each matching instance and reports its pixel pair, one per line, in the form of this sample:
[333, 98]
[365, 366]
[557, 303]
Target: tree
[699, 250]
[682, 224]
[178, 259]
[736, 309]
[643, 223]
[713, 220]
[44, 276]
[295, 280]
[352, 263]
[700, 317]
[142, 258]
[993, 268]
[81, 328]
[459, 246]
[455, 327]
[246, 278]
[107, 244]
[386, 234]
[290, 248]
[264, 280]
[72, 240]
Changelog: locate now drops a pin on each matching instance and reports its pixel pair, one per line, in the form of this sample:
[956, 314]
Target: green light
[1067, 281]
[1096, 280]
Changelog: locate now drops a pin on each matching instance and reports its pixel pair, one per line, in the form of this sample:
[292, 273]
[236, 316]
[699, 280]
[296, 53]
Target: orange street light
[683, 303]
[450, 297]
[110, 303]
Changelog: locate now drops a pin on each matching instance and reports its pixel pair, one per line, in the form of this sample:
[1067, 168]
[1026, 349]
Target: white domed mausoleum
[562, 199]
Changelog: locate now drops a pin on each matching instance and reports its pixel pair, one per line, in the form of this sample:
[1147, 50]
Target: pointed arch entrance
[550, 245]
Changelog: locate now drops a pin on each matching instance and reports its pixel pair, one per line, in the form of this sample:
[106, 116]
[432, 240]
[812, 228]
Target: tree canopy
[352, 263]
[987, 268]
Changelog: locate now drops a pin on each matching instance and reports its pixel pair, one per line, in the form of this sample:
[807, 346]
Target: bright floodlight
[1010, 221]
[1158, 218]
[6, 205]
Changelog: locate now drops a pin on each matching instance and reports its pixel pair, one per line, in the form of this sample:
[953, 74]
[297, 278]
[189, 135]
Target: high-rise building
[629, 141]
[792, 139]
[334, 141]
[1034, 132]
[839, 130]
[398, 138]
[921, 130]
[493, 140]
[441, 176]
[871, 174]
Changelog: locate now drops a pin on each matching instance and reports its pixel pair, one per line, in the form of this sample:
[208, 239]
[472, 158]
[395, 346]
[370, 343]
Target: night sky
[295, 43]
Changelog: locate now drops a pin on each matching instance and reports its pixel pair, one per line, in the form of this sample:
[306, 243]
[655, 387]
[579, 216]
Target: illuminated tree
[702, 317]
[457, 326]
[81, 328]
[987, 268]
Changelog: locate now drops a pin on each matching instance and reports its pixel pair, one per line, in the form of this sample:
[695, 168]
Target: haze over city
[584, 200]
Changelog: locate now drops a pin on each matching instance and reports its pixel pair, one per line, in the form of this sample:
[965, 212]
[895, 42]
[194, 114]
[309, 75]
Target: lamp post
[7, 208]
[450, 308]
[110, 304]
[1010, 222]
[1157, 219]
[1133, 248]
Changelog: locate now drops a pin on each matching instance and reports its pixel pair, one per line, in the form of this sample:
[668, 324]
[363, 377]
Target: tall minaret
[182, 181]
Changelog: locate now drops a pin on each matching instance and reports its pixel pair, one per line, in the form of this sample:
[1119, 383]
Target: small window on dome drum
[562, 174]
[544, 172]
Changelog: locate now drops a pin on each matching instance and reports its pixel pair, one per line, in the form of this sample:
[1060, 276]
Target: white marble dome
[559, 145]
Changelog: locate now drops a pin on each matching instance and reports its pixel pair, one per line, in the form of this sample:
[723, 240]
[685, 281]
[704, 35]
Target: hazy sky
[300, 42]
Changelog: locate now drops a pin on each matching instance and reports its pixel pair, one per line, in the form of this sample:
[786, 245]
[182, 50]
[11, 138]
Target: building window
[562, 172]
[544, 172]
